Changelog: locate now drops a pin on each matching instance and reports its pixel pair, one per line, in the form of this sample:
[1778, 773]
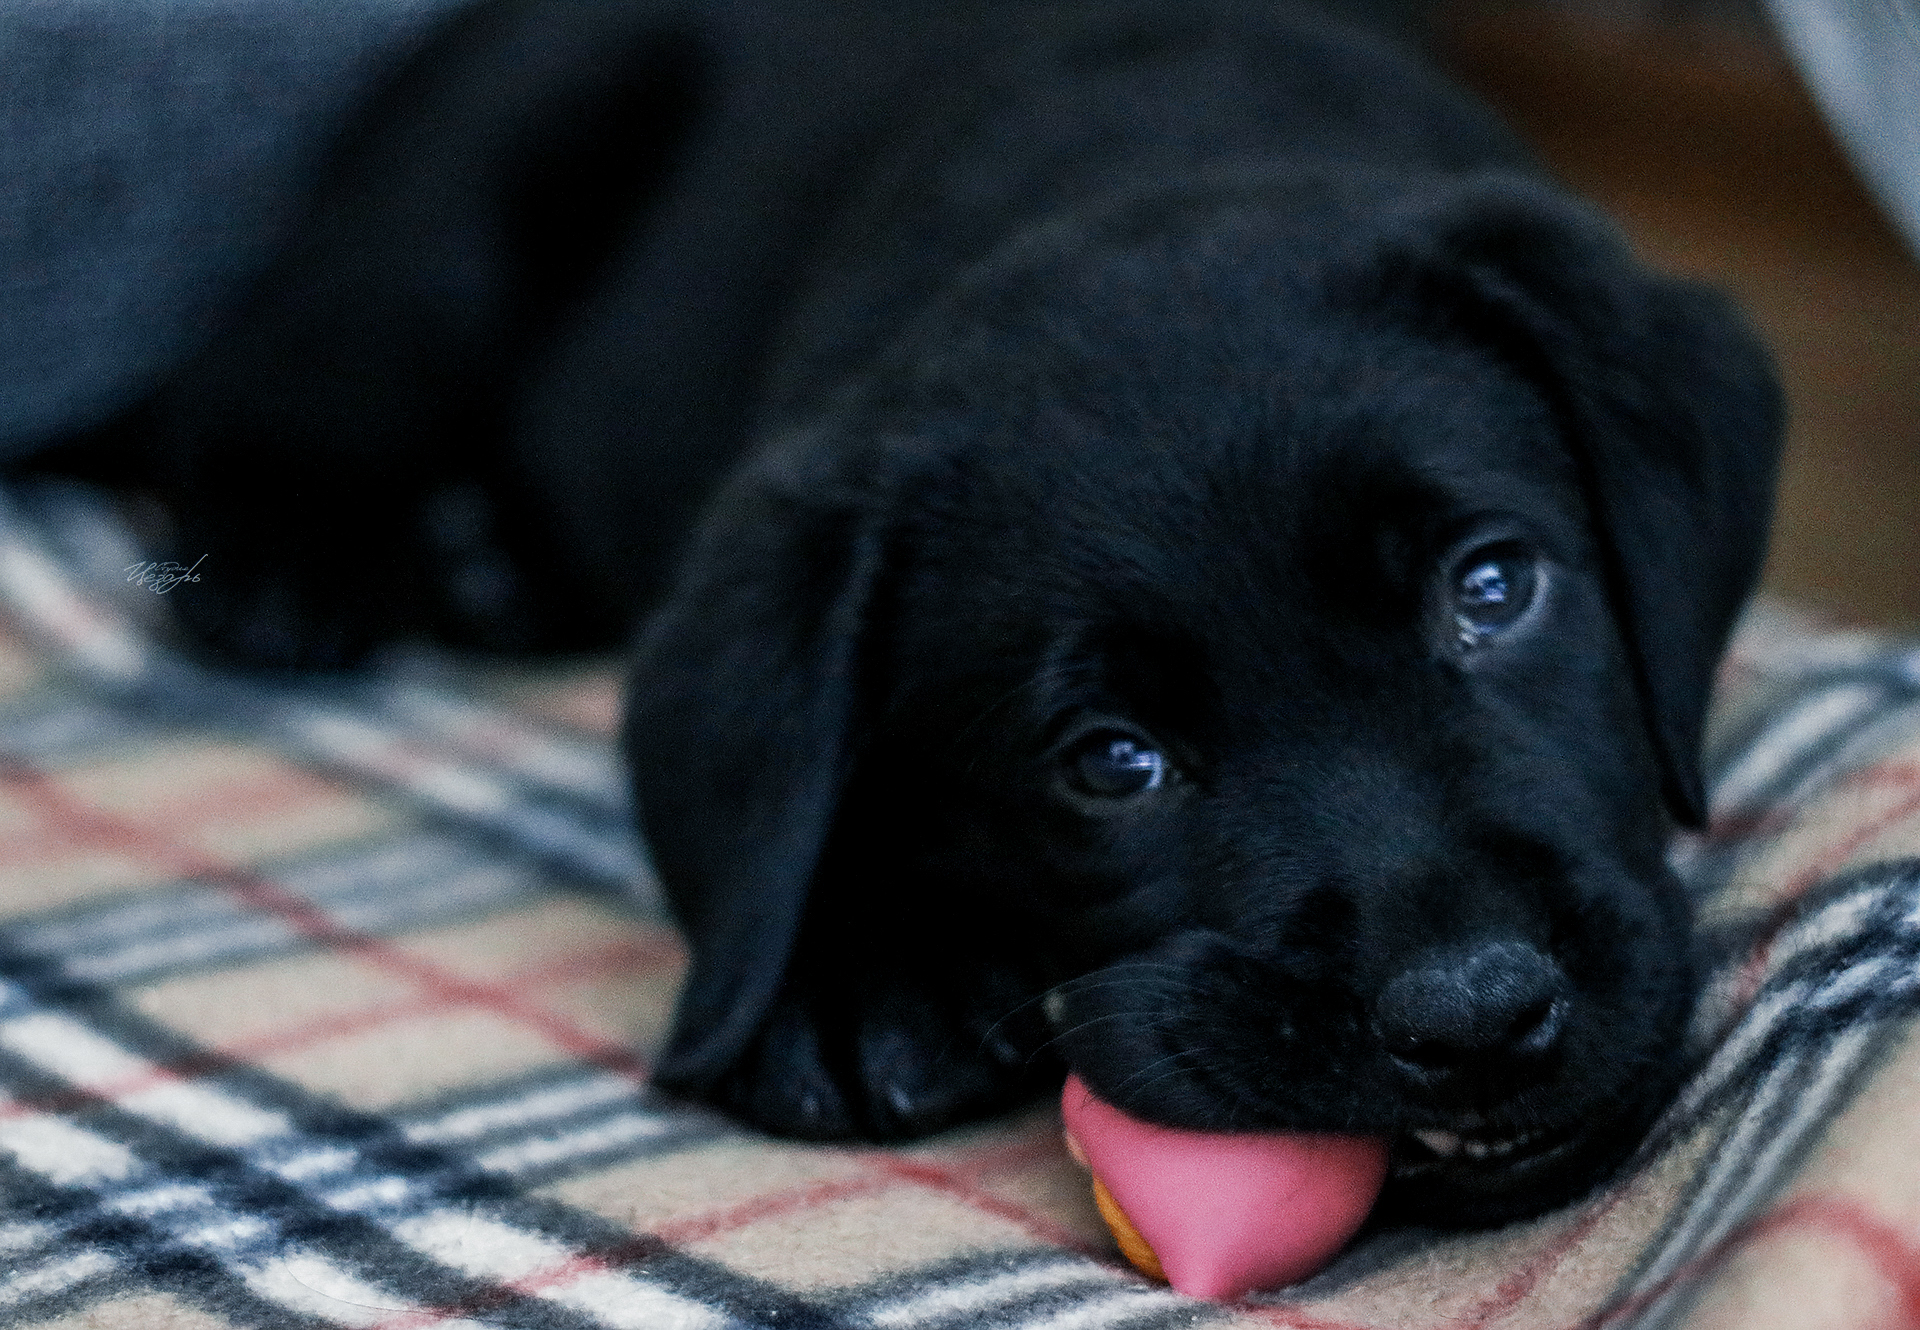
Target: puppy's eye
[1491, 589]
[1110, 764]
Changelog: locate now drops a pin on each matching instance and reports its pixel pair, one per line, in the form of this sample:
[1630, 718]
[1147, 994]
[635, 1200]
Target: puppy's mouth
[1478, 1148]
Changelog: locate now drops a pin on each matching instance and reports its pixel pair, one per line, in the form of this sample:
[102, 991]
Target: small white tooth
[1054, 1007]
[1443, 1143]
[1475, 1149]
[1500, 1147]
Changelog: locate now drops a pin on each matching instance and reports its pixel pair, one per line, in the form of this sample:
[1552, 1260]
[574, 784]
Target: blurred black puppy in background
[1206, 566]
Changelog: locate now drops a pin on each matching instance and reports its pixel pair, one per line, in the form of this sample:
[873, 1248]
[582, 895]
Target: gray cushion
[149, 150]
[1862, 60]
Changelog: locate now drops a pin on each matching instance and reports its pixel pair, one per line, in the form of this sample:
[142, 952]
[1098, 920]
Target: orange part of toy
[1132, 1245]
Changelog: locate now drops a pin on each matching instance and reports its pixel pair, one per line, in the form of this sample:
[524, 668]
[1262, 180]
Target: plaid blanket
[328, 1003]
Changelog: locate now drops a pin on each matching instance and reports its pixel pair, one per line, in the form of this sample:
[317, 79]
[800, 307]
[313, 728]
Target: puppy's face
[1297, 721]
[1261, 673]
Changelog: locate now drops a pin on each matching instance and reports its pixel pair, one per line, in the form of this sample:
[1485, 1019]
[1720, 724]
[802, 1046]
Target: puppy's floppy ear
[1674, 413]
[740, 721]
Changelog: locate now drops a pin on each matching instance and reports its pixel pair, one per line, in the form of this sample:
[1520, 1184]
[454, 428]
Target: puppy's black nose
[1485, 1011]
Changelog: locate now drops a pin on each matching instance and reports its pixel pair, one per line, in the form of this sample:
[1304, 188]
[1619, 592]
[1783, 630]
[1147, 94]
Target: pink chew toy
[1218, 1216]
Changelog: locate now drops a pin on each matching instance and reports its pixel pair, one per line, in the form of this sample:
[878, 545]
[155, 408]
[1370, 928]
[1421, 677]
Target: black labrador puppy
[1209, 567]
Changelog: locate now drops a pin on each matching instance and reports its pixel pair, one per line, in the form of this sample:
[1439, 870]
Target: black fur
[1128, 370]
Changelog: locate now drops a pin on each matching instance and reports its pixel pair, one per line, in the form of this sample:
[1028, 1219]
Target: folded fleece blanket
[328, 1003]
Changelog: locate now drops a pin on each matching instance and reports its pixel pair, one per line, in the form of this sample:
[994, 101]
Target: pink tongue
[1227, 1214]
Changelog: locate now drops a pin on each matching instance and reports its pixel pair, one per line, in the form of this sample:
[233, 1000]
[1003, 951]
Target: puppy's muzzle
[1473, 1022]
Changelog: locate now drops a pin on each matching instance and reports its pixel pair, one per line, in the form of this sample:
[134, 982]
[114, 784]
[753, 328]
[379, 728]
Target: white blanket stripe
[609, 1134]
[592, 1091]
[95, 641]
[461, 1238]
[307, 1283]
[1028, 1291]
[499, 1253]
[19, 1237]
[425, 879]
[1749, 782]
[56, 1275]
[507, 741]
[1113, 1309]
[980, 1294]
[1856, 954]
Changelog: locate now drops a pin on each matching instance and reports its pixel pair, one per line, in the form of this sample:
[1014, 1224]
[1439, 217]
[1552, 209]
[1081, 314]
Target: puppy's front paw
[926, 1060]
[781, 1083]
[894, 1062]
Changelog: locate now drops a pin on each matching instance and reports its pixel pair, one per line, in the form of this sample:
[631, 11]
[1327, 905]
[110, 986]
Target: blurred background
[1691, 122]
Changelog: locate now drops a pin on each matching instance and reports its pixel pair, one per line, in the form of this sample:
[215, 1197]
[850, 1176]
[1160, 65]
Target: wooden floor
[1700, 139]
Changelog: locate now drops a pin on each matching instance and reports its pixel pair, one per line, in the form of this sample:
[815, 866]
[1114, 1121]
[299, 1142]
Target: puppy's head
[1262, 670]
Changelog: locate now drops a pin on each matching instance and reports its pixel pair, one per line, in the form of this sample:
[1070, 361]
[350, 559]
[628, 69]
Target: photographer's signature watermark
[161, 578]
